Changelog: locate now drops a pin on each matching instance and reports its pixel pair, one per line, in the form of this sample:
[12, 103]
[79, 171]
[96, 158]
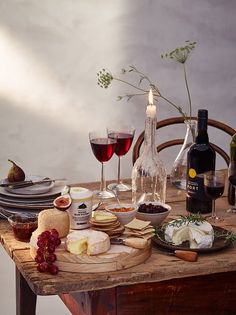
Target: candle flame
[150, 97]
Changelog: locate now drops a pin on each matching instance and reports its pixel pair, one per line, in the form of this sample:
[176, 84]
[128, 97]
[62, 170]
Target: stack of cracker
[139, 228]
[106, 222]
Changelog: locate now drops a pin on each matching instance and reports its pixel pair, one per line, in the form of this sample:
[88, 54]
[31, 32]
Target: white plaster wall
[51, 50]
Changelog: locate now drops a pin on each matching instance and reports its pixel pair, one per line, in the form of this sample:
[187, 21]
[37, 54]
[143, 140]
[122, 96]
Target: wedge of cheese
[104, 216]
[199, 235]
[87, 241]
[77, 247]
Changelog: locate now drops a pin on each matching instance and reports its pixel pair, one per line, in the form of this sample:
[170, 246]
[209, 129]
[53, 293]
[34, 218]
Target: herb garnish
[191, 218]
[227, 235]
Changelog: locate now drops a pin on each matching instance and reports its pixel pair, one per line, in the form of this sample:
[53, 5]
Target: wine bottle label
[192, 173]
[195, 185]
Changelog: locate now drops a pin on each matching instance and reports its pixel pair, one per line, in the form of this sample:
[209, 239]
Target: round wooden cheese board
[118, 257]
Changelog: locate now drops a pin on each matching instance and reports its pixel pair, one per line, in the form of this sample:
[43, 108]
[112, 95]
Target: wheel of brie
[87, 241]
[199, 234]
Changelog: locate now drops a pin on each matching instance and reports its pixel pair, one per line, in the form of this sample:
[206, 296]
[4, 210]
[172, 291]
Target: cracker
[137, 224]
[149, 229]
[106, 228]
[146, 236]
[102, 223]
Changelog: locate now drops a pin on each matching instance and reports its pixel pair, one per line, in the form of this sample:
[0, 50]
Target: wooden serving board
[117, 258]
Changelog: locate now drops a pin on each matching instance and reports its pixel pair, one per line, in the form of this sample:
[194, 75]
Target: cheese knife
[186, 255]
[27, 183]
[135, 242]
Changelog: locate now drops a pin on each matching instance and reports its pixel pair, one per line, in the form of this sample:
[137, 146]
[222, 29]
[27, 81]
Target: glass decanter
[179, 168]
[148, 173]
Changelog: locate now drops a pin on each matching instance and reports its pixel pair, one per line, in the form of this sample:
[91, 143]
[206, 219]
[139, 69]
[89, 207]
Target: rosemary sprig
[196, 218]
[227, 236]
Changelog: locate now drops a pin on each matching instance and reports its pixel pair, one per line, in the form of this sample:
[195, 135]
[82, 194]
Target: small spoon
[96, 206]
[117, 198]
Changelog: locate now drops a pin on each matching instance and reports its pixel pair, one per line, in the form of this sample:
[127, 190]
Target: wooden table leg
[100, 302]
[25, 297]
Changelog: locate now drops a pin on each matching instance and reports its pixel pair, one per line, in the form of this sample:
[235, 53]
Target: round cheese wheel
[54, 219]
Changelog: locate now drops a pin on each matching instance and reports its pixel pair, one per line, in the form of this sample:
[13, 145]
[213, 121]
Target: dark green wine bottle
[233, 148]
[232, 179]
[201, 158]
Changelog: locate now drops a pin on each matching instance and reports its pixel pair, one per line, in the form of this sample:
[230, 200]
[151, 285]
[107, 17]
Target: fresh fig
[62, 202]
[15, 174]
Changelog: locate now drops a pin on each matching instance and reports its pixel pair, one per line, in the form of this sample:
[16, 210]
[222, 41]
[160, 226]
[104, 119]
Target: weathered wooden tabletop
[158, 267]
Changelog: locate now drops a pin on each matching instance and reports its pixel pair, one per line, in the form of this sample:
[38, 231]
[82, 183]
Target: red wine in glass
[124, 141]
[214, 192]
[124, 135]
[214, 183]
[103, 148]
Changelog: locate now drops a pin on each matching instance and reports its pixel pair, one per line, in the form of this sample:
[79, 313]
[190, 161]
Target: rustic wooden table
[162, 285]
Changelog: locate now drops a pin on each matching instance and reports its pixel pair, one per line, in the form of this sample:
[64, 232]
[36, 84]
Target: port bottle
[200, 159]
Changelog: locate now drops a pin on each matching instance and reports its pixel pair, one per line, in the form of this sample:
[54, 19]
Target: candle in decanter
[148, 173]
[151, 109]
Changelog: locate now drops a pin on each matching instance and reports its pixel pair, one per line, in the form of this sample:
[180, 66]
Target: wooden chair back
[180, 120]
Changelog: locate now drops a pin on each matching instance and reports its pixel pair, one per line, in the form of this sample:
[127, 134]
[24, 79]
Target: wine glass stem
[213, 215]
[119, 180]
[103, 182]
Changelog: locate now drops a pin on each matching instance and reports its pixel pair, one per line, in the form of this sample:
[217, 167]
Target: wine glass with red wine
[214, 183]
[124, 135]
[103, 149]
[232, 177]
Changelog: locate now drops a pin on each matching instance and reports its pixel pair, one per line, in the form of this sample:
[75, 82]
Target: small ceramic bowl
[23, 225]
[125, 212]
[156, 218]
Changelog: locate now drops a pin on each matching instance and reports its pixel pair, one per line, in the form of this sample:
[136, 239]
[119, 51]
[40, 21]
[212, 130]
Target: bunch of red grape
[47, 243]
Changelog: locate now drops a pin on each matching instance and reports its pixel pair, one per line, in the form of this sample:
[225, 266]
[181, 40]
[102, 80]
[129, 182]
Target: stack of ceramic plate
[31, 198]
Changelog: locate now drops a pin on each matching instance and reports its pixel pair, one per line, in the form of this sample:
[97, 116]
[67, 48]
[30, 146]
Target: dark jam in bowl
[23, 227]
[151, 208]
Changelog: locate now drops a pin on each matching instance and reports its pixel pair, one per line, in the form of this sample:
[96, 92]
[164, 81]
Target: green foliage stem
[180, 55]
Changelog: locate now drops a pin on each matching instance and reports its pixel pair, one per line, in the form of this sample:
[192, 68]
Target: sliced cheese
[104, 216]
[95, 243]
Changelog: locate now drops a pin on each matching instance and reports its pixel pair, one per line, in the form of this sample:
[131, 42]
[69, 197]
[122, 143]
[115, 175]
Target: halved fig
[62, 202]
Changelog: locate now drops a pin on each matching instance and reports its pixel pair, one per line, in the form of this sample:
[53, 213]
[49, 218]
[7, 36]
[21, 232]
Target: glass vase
[179, 168]
[148, 173]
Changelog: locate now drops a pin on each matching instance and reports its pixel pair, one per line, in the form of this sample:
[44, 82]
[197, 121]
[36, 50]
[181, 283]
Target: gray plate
[56, 190]
[30, 190]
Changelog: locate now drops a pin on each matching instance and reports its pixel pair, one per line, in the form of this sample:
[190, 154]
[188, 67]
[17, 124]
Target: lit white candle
[151, 109]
